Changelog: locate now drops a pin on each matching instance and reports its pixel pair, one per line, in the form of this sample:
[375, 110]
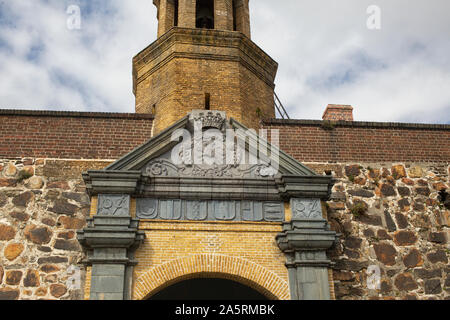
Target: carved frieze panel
[113, 205]
[212, 210]
[306, 209]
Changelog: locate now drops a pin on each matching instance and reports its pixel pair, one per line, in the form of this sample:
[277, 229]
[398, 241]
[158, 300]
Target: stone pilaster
[110, 239]
[305, 240]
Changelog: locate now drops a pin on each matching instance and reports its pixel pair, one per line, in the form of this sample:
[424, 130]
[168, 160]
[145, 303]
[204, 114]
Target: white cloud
[325, 52]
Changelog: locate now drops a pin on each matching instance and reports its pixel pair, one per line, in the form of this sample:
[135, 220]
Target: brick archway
[211, 265]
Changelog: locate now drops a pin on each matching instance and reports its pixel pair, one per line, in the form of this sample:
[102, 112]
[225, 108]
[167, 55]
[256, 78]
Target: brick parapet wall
[71, 135]
[343, 141]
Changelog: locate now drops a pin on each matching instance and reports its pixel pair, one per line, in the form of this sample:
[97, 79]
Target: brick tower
[204, 59]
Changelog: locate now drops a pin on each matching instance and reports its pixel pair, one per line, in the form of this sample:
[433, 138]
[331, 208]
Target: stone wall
[389, 215]
[42, 204]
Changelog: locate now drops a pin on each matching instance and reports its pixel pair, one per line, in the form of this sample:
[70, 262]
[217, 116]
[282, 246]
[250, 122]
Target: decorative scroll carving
[163, 168]
[308, 209]
[113, 205]
[213, 210]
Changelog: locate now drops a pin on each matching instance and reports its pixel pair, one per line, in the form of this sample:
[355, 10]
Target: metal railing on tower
[280, 108]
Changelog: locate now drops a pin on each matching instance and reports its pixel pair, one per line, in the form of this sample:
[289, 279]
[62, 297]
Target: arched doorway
[208, 289]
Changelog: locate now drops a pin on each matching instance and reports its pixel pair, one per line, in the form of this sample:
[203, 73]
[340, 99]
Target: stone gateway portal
[154, 222]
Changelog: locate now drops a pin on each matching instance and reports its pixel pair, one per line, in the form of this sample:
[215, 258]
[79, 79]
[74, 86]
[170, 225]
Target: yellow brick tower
[204, 59]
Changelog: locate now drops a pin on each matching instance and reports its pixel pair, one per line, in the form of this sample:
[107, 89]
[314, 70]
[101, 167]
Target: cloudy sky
[326, 54]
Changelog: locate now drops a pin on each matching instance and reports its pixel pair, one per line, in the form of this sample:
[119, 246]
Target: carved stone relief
[308, 209]
[113, 205]
[212, 210]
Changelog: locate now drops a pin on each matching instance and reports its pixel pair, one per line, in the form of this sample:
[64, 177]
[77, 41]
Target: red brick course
[87, 135]
[319, 141]
[71, 135]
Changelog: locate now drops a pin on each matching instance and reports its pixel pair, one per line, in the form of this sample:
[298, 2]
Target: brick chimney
[336, 112]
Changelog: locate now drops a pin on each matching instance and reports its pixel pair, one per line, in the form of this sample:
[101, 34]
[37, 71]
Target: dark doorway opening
[208, 289]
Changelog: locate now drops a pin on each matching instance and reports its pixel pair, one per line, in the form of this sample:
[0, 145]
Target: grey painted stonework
[213, 210]
[111, 238]
[306, 209]
[113, 205]
[305, 240]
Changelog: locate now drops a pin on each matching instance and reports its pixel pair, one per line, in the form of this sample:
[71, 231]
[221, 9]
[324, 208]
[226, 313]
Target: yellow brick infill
[87, 284]
[245, 252]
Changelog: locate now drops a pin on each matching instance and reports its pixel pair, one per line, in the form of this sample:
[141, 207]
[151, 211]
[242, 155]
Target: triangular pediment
[155, 157]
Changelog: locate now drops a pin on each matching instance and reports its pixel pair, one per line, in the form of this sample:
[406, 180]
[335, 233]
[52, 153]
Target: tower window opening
[207, 101]
[175, 14]
[234, 16]
[205, 14]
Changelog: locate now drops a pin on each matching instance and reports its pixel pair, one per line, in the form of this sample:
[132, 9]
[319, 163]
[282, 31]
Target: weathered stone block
[428, 274]
[62, 206]
[68, 245]
[72, 223]
[7, 232]
[413, 259]
[13, 277]
[35, 183]
[433, 286]
[438, 256]
[402, 221]
[383, 235]
[31, 279]
[58, 290]
[389, 222]
[405, 282]
[404, 191]
[54, 259]
[424, 191]
[405, 238]
[13, 250]
[352, 171]
[9, 294]
[387, 190]
[361, 193]
[353, 243]
[437, 237]
[415, 172]
[20, 216]
[23, 199]
[49, 268]
[386, 253]
[38, 235]
[58, 185]
[398, 172]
